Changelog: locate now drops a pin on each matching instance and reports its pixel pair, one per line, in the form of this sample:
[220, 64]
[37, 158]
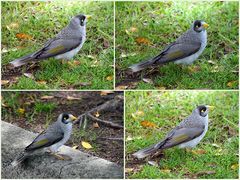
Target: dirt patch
[107, 142]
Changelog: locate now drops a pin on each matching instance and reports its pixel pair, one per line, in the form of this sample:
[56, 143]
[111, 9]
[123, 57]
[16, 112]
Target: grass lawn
[26, 26]
[216, 156]
[160, 23]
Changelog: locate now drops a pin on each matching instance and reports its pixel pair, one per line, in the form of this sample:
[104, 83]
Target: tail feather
[145, 152]
[142, 65]
[20, 158]
[21, 61]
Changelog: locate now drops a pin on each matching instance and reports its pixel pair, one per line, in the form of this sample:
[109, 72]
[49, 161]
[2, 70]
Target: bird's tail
[145, 152]
[142, 65]
[21, 61]
[20, 158]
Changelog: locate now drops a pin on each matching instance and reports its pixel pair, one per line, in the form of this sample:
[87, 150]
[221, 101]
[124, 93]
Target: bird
[185, 50]
[187, 134]
[66, 44]
[52, 139]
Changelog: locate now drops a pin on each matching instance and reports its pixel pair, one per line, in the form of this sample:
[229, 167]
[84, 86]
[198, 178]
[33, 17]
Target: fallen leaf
[76, 62]
[86, 145]
[121, 87]
[47, 97]
[23, 36]
[205, 172]
[21, 111]
[142, 40]
[140, 113]
[104, 93]
[4, 82]
[97, 114]
[153, 163]
[234, 167]
[127, 55]
[133, 29]
[105, 43]
[146, 123]
[199, 151]
[29, 75]
[211, 62]
[128, 170]
[147, 80]
[231, 83]
[95, 125]
[215, 145]
[72, 98]
[74, 147]
[12, 26]
[42, 82]
[165, 170]
[109, 78]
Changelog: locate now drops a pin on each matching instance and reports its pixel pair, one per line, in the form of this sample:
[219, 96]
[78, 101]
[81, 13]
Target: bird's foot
[62, 157]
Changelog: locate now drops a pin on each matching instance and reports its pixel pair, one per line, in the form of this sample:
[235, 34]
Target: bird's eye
[65, 118]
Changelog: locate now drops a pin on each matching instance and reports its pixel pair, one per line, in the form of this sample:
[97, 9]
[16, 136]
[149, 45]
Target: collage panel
[177, 45]
[159, 124]
[36, 125]
[57, 45]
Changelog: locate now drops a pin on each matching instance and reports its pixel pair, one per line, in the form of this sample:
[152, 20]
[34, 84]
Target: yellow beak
[73, 118]
[205, 25]
[211, 107]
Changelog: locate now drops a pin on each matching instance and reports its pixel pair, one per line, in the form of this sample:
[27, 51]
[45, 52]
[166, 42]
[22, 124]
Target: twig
[107, 123]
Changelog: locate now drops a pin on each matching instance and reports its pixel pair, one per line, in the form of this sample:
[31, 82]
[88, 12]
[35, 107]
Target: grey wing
[180, 135]
[45, 139]
[57, 46]
[176, 51]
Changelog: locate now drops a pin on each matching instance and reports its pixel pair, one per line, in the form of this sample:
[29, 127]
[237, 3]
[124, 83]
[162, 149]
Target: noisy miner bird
[186, 135]
[185, 50]
[64, 45]
[52, 138]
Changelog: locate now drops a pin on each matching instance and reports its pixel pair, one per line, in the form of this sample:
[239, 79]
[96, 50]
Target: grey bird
[186, 135]
[52, 138]
[66, 44]
[185, 50]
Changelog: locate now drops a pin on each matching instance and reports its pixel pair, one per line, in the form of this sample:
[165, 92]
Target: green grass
[161, 23]
[43, 20]
[166, 110]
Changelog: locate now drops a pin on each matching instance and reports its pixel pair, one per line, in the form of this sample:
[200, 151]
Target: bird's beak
[205, 25]
[88, 17]
[73, 118]
[211, 107]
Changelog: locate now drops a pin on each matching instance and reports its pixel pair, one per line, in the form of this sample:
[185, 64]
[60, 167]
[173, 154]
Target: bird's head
[199, 26]
[203, 110]
[66, 118]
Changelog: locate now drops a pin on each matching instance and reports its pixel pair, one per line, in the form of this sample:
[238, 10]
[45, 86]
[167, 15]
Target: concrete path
[82, 165]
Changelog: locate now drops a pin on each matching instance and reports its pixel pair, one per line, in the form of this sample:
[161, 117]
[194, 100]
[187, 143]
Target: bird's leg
[60, 156]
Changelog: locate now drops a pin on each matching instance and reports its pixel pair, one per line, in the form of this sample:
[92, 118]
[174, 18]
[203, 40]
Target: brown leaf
[199, 151]
[142, 40]
[231, 131]
[121, 87]
[146, 123]
[201, 173]
[147, 80]
[72, 98]
[86, 145]
[105, 43]
[29, 75]
[4, 82]
[47, 97]
[194, 69]
[231, 83]
[97, 114]
[128, 170]
[95, 125]
[104, 93]
[23, 36]
[75, 62]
